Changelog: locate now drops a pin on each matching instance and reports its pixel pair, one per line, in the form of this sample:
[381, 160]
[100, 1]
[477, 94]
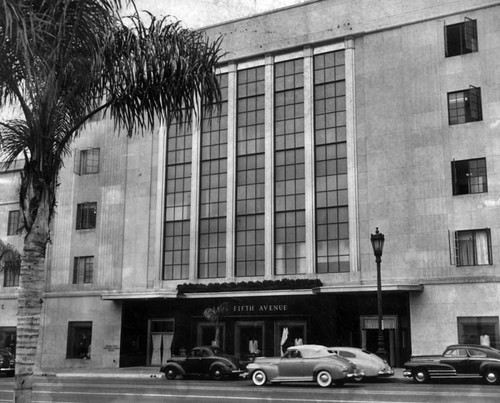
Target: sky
[200, 13]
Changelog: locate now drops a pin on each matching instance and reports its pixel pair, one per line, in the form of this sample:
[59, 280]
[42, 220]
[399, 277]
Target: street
[95, 390]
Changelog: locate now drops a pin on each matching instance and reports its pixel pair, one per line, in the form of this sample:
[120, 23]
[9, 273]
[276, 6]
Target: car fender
[180, 370]
[489, 365]
[226, 367]
[428, 365]
[334, 370]
[271, 370]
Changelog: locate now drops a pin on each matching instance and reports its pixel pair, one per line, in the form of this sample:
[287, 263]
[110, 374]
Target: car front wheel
[259, 377]
[170, 373]
[420, 376]
[324, 379]
[491, 377]
[216, 373]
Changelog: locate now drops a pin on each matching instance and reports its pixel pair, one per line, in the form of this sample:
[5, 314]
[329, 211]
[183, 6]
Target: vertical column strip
[269, 128]
[352, 177]
[309, 160]
[195, 195]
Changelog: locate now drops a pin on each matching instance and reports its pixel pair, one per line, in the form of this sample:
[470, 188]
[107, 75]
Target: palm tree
[214, 315]
[62, 62]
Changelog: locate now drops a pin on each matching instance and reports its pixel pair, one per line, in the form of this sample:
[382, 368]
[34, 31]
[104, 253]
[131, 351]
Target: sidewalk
[142, 372]
[128, 372]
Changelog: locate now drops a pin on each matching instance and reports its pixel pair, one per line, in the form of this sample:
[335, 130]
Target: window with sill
[479, 330]
[14, 224]
[83, 270]
[86, 214]
[464, 106]
[471, 247]
[469, 176]
[87, 161]
[461, 38]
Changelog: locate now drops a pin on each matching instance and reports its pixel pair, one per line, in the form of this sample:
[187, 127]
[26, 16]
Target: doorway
[249, 340]
[369, 336]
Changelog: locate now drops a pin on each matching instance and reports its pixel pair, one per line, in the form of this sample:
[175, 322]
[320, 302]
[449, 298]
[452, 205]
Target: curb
[99, 375]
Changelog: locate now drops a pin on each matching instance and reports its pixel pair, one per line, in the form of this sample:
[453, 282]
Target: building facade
[337, 118]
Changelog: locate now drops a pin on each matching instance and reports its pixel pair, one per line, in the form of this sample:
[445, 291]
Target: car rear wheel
[491, 377]
[170, 373]
[259, 377]
[216, 373]
[420, 375]
[324, 379]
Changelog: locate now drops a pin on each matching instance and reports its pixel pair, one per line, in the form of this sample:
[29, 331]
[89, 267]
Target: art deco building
[338, 117]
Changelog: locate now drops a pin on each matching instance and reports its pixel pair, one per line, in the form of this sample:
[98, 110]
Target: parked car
[202, 361]
[308, 362]
[371, 364]
[457, 361]
[7, 363]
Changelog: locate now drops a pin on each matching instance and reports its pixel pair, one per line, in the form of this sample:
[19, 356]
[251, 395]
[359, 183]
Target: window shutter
[454, 177]
[76, 166]
[475, 102]
[446, 41]
[470, 34]
[490, 253]
[75, 270]
[453, 242]
[79, 216]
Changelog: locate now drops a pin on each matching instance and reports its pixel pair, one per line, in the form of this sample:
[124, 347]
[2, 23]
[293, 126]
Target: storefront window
[478, 330]
[79, 340]
[290, 334]
[8, 338]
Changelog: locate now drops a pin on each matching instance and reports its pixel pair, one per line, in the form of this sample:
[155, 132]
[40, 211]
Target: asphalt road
[113, 390]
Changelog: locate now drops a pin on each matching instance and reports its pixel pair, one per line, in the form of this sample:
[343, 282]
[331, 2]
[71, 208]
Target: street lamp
[378, 245]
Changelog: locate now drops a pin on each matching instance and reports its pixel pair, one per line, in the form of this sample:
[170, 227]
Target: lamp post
[377, 240]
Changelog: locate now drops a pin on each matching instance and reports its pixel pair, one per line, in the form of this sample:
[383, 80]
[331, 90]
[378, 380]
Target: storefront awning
[139, 295]
[361, 288]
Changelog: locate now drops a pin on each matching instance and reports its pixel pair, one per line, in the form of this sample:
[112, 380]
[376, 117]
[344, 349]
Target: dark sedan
[204, 360]
[6, 362]
[457, 361]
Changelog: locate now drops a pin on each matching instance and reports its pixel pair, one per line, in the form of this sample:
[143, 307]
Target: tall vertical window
[471, 247]
[332, 219]
[86, 215]
[177, 201]
[469, 176]
[83, 270]
[289, 183]
[464, 106]
[14, 223]
[213, 189]
[461, 38]
[87, 161]
[250, 173]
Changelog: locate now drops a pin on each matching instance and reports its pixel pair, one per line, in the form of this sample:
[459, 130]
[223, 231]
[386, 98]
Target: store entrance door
[369, 336]
[160, 335]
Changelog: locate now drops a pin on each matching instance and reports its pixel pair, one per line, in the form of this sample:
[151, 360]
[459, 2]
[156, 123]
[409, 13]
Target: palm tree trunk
[31, 288]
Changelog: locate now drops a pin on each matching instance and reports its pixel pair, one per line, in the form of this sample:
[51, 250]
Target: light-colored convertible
[308, 362]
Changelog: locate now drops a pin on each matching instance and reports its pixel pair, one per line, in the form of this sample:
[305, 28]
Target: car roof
[489, 349]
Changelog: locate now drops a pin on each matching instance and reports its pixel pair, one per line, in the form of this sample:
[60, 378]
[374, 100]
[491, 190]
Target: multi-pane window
[469, 176]
[461, 38]
[83, 270]
[213, 189]
[289, 167]
[471, 247]
[250, 173]
[79, 340]
[86, 214]
[177, 201]
[87, 161]
[14, 224]
[332, 219]
[10, 276]
[464, 106]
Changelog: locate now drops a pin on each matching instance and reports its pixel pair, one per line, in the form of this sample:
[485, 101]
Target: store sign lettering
[257, 308]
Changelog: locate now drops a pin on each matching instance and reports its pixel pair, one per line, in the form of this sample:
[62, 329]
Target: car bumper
[408, 373]
[386, 372]
[358, 373]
